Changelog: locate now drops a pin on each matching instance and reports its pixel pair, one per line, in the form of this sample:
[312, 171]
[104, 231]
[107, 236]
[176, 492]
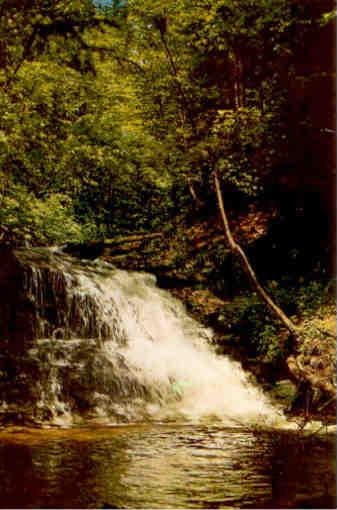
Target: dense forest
[121, 120]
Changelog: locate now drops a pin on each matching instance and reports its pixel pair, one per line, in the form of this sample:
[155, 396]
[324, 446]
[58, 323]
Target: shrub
[49, 220]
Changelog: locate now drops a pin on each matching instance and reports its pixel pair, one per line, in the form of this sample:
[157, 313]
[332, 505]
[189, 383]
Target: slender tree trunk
[193, 193]
[238, 251]
[239, 89]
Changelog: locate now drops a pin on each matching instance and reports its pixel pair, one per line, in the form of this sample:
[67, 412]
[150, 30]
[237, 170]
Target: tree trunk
[238, 85]
[238, 251]
[198, 203]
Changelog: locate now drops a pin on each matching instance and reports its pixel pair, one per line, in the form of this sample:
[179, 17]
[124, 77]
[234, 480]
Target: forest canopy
[115, 114]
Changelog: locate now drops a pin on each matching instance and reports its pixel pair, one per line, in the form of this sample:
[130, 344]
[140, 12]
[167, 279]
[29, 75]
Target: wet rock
[17, 324]
[40, 298]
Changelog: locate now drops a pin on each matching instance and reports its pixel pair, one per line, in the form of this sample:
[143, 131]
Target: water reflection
[166, 467]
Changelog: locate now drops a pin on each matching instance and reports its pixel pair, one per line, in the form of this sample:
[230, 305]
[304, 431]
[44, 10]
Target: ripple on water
[152, 466]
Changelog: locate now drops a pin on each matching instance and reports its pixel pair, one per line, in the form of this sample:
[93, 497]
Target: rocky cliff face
[39, 299]
[51, 329]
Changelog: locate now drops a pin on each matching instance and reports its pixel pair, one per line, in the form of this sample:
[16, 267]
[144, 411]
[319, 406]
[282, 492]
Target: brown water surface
[165, 466]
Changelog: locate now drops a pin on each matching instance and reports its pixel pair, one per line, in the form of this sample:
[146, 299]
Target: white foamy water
[169, 353]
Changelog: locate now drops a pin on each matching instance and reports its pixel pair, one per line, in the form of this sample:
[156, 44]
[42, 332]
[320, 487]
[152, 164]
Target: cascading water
[110, 345]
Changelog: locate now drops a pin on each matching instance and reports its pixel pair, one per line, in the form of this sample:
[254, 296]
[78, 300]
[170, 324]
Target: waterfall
[109, 345]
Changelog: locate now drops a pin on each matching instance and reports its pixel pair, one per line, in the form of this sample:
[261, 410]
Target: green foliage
[214, 82]
[49, 220]
[263, 332]
[249, 322]
[73, 142]
[245, 147]
[115, 114]
[313, 296]
[271, 345]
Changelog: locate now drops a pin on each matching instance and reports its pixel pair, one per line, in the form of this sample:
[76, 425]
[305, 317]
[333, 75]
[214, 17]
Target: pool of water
[165, 466]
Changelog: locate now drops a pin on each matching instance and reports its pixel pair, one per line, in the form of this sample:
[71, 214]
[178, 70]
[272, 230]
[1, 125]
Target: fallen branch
[238, 251]
[131, 238]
